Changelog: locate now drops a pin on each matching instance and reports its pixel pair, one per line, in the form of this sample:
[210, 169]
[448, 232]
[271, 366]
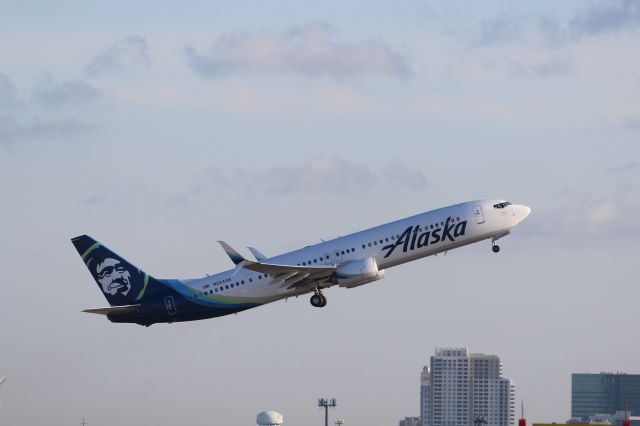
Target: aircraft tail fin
[120, 281]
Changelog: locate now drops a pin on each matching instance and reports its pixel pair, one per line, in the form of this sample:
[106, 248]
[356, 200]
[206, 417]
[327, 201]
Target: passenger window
[369, 244]
[375, 243]
[242, 282]
[363, 246]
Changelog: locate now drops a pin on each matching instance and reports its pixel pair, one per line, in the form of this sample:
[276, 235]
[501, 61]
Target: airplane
[2, 379]
[349, 261]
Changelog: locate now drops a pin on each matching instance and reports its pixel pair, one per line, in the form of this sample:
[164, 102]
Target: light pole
[326, 403]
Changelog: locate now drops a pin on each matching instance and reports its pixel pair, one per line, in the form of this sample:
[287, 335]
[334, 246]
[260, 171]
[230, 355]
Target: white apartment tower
[458, 388]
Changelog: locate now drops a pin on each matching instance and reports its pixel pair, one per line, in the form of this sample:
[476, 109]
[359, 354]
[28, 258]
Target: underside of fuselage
[184, 313]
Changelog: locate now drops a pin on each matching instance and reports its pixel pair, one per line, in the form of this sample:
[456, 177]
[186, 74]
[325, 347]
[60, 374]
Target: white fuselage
[390, 244]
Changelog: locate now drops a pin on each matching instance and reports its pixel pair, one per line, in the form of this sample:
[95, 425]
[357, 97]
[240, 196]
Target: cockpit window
[501, 205]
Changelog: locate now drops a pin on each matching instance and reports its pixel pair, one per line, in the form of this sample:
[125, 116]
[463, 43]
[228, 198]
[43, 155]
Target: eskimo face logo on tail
[113, 277]
[416, 237]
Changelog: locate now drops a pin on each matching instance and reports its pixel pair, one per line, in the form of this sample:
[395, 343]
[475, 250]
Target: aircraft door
[171, 305]
[337, 257]
[326, 258]
[477, 212]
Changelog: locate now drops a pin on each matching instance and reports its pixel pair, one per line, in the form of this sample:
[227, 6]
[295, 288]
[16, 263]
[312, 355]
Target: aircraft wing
[290, 276]
[275, 269]
[113, 310]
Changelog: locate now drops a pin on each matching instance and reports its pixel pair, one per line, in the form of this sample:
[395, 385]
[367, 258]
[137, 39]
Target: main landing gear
[318, 300]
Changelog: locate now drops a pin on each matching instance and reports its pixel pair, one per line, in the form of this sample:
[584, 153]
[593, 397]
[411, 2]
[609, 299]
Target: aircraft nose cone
[523, 212]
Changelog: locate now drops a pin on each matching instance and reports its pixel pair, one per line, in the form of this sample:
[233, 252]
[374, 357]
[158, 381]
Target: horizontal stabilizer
[113, 310]
[256, 253]
[232, 253]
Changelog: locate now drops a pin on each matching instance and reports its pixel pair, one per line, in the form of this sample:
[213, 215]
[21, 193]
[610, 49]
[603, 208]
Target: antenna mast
[327, 403]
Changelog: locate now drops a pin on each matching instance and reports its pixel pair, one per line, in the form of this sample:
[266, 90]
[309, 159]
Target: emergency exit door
[477, 212]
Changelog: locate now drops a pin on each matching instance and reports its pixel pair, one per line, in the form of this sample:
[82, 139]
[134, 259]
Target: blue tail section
[143, 299]
[120, 281]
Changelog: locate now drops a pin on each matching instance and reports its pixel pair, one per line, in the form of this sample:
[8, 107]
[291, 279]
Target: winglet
[256, 253]
[234, 255]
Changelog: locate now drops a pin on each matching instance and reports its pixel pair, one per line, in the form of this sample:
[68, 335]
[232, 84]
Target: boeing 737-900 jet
[349, 261]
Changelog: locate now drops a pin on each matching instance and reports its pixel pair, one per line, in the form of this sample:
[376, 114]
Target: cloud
[327, 174]
[606, 17]
[576, 225]
[8, 96]
[631, 124]
[546, 69]
[598, 18]
[131, 52]
[311, 51]
[71, 92]
[399, 175]
[624, 169]
[500, 29]
[324, 174]
[16, 128]
[600, 215]
[13, 131]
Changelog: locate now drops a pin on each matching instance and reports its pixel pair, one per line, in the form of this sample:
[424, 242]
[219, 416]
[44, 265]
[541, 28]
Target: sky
[161, 127]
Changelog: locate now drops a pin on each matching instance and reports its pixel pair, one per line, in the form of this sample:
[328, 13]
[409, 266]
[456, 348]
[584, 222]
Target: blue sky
[161, 128]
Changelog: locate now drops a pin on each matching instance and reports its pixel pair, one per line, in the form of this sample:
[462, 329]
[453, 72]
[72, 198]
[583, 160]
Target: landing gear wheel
[324, 301]
[318, 301]
[495, 248]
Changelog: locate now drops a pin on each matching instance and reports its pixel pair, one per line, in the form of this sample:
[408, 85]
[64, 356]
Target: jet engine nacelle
[358, 272]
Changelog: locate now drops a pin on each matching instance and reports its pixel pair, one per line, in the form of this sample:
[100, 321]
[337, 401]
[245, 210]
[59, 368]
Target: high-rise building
[425, 396]
[602, 393]
[410, 421]
[462, 389]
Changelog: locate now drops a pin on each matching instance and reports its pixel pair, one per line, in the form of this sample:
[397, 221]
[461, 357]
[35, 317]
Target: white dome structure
[269, 418]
